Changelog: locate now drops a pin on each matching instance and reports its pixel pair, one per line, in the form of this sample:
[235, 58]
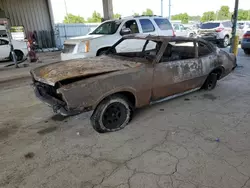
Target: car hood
[82, 38]
[80, 68]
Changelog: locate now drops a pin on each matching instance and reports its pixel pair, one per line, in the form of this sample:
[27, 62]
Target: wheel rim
[114, 115]
[225, 41]
[210, 84]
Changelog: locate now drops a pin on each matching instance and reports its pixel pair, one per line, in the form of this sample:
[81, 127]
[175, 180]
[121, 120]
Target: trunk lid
[55, 72]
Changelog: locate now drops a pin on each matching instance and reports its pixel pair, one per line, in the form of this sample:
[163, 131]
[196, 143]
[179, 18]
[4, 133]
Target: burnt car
[115, 84]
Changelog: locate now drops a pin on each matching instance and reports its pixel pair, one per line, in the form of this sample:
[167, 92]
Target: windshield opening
[210, 25]
[107, 28]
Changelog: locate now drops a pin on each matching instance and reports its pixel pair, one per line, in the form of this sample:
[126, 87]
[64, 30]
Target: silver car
[182, 31]
[219, 32]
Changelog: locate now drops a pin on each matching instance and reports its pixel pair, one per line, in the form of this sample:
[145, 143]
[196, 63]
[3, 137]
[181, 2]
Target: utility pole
[66, 9]
[161, 7]
[234, 20]
[169, 10]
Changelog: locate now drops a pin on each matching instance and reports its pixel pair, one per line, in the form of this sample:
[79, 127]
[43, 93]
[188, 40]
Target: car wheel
[192, 35]
[225, 42]
[247, 51]
[102, 52]
[112, 114]
[210, 82]
[19, 55]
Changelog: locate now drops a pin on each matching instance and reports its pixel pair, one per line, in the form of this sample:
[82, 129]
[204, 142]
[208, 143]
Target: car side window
[4, 42]
[182, 27]
[176, 27]
[132, 25]
[147, 26]
[179, 50]
[203, 49]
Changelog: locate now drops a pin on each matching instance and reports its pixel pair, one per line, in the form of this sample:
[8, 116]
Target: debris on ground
[29, 155]
[47, 130]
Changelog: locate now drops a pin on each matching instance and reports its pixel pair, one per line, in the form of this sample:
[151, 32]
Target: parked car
[20, 49]
[242, 27]
[219, 32]
[181, 30]
[115, 84]
[109, 32]
[3, 32]
[245, 42]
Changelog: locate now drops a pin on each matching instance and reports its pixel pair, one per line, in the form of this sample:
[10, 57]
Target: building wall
[34, 15]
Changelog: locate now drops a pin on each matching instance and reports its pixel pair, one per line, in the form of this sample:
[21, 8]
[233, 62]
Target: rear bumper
[57, 105]
[245, 45]
[212, 39]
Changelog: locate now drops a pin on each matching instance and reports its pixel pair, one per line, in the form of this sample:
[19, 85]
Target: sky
[85, 8]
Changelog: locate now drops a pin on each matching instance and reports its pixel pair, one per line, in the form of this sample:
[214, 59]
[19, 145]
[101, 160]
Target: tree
[208, 16]
[183, 17]
[224, 13]
[148, 12]
[117, 16]
[96, 18]
[194, 18]
[243, 14]
[70, 18]
[136, 14]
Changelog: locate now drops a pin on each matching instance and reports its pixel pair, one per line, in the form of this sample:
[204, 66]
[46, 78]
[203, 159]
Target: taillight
[246, 36]
[173, 33]
[219, 29]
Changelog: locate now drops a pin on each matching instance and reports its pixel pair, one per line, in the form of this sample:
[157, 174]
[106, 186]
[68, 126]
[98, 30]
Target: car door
[183, 31]
[177, 29]
[4, 49]
[176, 75]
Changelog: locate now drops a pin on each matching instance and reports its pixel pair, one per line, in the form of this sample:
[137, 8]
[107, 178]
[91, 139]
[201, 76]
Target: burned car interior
[174, 51]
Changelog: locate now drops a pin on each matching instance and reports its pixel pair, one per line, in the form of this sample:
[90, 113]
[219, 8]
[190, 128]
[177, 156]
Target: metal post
[234, 20]
[169, 10]
[161, 7]
[11, 45]
[107, 9]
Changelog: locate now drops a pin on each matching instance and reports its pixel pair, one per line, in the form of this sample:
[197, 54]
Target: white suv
[109, 32]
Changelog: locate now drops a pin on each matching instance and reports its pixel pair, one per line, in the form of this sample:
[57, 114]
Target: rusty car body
[115, 84]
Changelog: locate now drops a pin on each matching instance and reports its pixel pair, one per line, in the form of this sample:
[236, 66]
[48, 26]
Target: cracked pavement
[201, 140]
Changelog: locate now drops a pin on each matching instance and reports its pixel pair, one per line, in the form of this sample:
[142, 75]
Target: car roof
[162, 38]
[136, 17]
[4, 38]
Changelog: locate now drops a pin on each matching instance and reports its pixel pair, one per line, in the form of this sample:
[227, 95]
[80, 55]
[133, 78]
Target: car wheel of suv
[247, 51]
[211, 82]
[225, 42]
[112, 114]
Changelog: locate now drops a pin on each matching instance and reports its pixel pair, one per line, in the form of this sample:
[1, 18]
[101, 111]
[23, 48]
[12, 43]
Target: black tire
[112, 114]
[19, 55]
[102, 52]
[210, 82]
[247, 51]
[192, 35]
[225, 42]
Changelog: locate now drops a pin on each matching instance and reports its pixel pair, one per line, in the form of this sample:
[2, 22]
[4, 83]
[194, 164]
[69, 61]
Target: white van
[109, 32]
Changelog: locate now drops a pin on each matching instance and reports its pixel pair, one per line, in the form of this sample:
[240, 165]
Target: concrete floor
[201, 140]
